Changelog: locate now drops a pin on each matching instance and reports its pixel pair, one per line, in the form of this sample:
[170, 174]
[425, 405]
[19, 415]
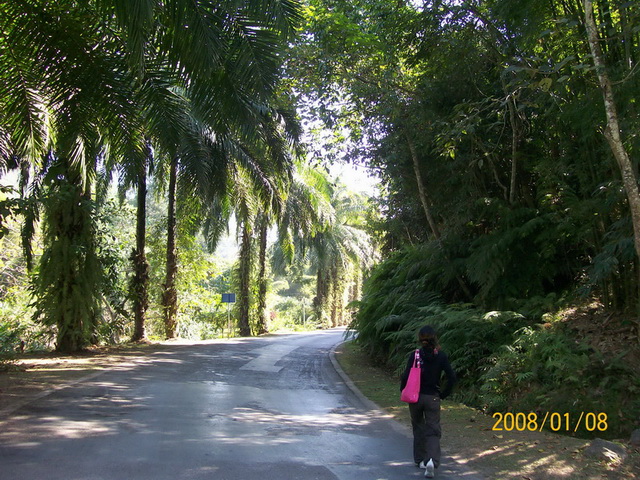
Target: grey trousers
[425, 420]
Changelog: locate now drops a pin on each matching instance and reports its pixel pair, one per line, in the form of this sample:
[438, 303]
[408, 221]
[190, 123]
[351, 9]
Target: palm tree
[241, 171]
[321, 226]
[226, 47]
[262, 324]
[258, 199]
[66, 106]
[73, 75]
[134, 172]
[247, 41]
[337, 248]
[165, 117]
[70, 271]
[139, 284]
[307, 210]
[273, 211]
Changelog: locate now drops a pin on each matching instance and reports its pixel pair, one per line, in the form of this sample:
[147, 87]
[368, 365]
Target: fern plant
[545, 370]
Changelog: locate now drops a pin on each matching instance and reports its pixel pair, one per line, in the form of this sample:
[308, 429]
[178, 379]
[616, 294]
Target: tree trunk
[140, 282]
[262, 280]
[354, 293]
[320, 300]
[424, 199]
[515, 141]
[333, 294]
[244, 276]
[422, 193]
[76, 326]
[612, 130]
[67, 291]
[170, 294]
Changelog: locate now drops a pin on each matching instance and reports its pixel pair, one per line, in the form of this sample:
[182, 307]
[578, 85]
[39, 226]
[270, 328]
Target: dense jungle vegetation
[506, 137]
[504, 134]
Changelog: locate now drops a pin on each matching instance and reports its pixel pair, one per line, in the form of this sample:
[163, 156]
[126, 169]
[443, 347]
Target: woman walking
[425, 413]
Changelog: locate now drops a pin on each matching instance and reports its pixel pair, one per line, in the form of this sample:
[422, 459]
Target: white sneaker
[429, 471]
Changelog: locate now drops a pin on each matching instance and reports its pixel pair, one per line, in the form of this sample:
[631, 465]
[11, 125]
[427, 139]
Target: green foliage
[523, 257]
[67, 285]
[289, 314]
[323, 232]
[536, 356]
[546, 370]
[17, 326]
[401, 295]
[485, 116]
[10, 207]
[104, 85]
[114, 241]
[471, 336]
[11, 334]
[79, 287]
[521, 183]
[392, 297]
[16, 311]
[505, 361]
[290, 301]
[199, 281]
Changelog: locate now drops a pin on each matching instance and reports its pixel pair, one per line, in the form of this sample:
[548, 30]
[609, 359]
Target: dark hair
[428, 337]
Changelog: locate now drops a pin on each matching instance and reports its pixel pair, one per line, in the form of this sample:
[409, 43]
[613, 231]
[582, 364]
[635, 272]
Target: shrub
[546, 370]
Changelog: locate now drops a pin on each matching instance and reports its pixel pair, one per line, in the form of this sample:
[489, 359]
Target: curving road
[272, 407]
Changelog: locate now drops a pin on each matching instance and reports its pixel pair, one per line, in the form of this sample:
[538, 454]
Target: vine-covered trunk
[262, 281]
[68, 284]
[244, 278]
[140, 282]
[76, 322]
[170, 294]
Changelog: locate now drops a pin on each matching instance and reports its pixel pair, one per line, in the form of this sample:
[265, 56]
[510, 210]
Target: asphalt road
[272, 407]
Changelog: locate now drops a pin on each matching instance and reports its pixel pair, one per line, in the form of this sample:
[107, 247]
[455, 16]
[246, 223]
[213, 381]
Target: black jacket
[433, 364]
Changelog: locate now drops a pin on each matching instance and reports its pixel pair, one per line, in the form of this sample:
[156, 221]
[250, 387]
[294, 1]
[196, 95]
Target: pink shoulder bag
[411, 391]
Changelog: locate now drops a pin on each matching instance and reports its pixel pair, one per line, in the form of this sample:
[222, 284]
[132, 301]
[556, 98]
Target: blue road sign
[228, 298]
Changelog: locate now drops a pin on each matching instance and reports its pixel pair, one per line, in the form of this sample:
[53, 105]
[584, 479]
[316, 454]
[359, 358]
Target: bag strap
[416, 358]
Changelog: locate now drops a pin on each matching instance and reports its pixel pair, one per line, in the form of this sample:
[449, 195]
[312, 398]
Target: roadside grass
[469, 438]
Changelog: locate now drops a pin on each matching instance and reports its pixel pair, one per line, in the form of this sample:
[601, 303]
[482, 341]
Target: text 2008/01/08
[555, 421]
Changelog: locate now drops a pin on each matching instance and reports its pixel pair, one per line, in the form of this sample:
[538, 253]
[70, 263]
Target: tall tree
[67, 107]
[170, 292]
[613, 130]
[140, 281]
[258, 198]
[262, 323]
[374, 85]
[340, 244]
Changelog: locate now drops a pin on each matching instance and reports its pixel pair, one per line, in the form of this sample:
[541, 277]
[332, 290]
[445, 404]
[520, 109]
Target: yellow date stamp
[554, 421]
